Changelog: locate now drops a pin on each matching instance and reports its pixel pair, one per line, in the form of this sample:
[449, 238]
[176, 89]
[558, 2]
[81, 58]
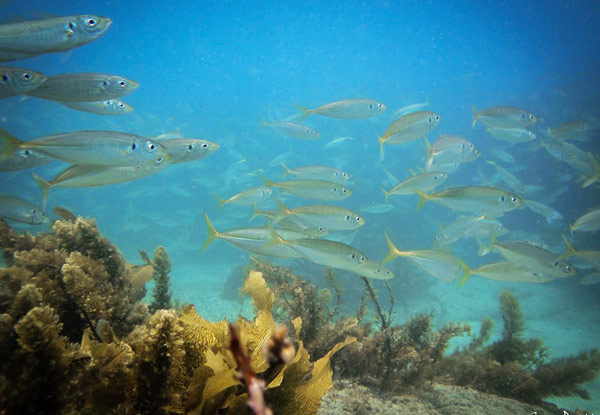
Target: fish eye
[361, 259]
[470, 145]
[204, 145]
[358, 218]
[476, 151]
[26, 76]
[531, 116]
[121, 105]
[151, 146]
[320, 229]
[34, 211]
[502, 198]
[344, 175]
[437, 117]
[568, 268]
[91, 22]
[158, 160]
[344, 190]
[380, 105]
[513, 199]
[556, 263]
[500, 228]
[387, 273]
[123, 83]
[27, 152]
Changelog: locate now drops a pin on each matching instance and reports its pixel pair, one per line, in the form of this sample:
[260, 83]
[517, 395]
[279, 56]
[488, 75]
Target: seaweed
[518, 368]
[162, 266]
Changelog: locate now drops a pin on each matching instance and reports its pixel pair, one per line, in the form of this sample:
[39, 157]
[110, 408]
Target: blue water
[215, 70]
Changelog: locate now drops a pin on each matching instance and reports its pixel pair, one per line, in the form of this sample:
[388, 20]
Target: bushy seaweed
[161, 294]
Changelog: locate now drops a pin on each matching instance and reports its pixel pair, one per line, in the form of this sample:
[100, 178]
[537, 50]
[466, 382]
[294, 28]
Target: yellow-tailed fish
[409, 127]
[482, 200]
[106, 107]
[588, 222]
[87, 175]
[504, 156]
[449, 150]
[83, 87]
[534, 257]
[19, 210]
[333, 218]
[411, 108]
[346, 109]
[16, 81]
[24, 159]
[183, 150]
[312, 189]
[511, 135]
[593, 257]
[571, 130]
[504, 117]
[291, 222]
[509, 272]
[102, 148]
[507, 177]
[440, 264]
[293, 130]
[255, 240]
[316, 173]
[422, 182]
[336, 142]
[375, 270]
[34, 37]
[250, 196]
[467, 226]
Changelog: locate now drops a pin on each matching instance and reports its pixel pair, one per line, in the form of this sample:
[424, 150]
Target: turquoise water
[215, 70]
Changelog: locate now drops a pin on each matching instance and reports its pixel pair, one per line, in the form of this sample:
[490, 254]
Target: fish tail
[304, 112]
[466, 274]
[281, 210]
[274, 238]
[393, 253]
[212, 233]
[596, 175]
[381, 142]
[220, 202]
[422, 199]
[45, 186]
[483, 249]
[268, 183]
[286, 170]
[8, 144]
[386, 194]
[475, 115]
[255, 214]
[569, 250]
[263, 123]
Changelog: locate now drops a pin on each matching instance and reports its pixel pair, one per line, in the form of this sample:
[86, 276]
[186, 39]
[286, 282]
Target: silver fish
[16, 81]
[19, 210]
[293, 130]
[183, 150]
[35, 37]
[504, 117]
[24, 159]
[84, 87]
[106, 107]
[346, 109]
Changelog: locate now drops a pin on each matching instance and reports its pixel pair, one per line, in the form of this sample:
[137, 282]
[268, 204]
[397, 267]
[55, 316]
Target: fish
[411, 108]
[591, 279]
[589, 222]
[333, 218]
[439, 264]
[336, 142]
[102, 148]
[409, 127]
[183, 150]
[16, 81]
[291, 222]
[511, 135]
[83, 87]
[255, 240]
[19, 210]
[449, 150]
[482, 200]
[346, 109]
[64, 213]
[106, 107]
[468, 226]
[533, 257]
[293, 130]
[250, 196]
[378, 208]
[509, 272]
[507, 177]
[571, 130]
[504, 117]
[87, 175]
[312, 189]
[422, 182]
[552, 216]
[593, 257]
[504, 156]
[24, 159]
[29, 38]
[316, 173]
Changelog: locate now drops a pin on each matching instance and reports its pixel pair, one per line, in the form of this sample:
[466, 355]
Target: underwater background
[216, 70]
